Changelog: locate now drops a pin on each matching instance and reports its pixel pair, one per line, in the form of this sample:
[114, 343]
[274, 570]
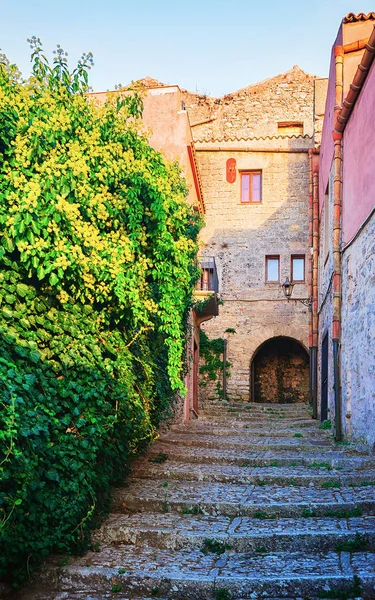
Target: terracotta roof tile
[352, 18]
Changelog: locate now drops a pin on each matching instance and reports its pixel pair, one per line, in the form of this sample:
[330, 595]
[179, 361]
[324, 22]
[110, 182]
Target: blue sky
[210, 46]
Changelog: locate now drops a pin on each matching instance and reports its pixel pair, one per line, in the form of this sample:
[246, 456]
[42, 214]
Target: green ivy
[211, 353]
[94, 233]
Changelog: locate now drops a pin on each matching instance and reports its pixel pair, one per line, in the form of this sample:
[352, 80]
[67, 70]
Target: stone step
[335, 458]
[144, 495]
[252, 409]
[188, 573]
[248, 413]
[232, 410]
[238, 534]
[261, 442]
[251, 431]
[244, 474]
[261, 406]
[247, 419]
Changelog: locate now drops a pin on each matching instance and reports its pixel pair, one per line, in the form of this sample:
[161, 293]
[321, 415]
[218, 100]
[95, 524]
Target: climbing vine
[211, 353]
[95, 232]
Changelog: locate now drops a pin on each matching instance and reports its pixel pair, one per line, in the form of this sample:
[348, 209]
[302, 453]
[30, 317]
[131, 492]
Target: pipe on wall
[336, 247]
[314, 296]
[336, 244]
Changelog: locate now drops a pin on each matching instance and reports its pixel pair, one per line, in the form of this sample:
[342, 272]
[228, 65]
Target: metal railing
[209, 281]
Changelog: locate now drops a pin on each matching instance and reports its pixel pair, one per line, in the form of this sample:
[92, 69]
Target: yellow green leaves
[89, 209]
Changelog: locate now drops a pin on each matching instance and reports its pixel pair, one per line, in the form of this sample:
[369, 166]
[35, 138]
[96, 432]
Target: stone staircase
[249, 502]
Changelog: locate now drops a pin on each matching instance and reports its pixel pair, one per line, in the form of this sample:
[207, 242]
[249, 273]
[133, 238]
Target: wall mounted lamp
[288, 290]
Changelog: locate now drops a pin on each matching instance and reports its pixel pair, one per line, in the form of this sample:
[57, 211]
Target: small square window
[298, 268]
[272, 269]
[251, 187]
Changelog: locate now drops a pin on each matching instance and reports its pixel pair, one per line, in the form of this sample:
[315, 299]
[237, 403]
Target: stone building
[246, 158]
[252, 150]
[346, 293]
[284, 200]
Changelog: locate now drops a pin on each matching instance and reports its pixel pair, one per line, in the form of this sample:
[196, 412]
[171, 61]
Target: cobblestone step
[232, 411]
[292, 407]
[261, 442]
[244, 420]
[188, 574]
[240, 534]
[256, 475]
[252, 430]
[336, 458]
[144, 495]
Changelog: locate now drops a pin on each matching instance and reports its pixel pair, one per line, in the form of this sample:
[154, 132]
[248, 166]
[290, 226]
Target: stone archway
[280, 372]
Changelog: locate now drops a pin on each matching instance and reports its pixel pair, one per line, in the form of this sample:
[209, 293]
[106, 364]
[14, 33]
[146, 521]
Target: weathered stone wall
[240, 236]
[255, 110]
[358, 337]
[325, 299]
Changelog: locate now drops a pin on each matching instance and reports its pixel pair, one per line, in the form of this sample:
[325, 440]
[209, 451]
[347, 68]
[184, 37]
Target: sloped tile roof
[352, 18]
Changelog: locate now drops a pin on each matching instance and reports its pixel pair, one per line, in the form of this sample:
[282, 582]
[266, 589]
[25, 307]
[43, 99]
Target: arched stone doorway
[280, 372]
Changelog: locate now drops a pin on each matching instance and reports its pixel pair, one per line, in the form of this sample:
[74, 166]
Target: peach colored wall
[359, 161]
[326, 149]
[170, 129]
[357, 31]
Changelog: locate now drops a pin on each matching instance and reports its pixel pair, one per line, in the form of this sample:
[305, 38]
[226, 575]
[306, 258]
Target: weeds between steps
[194, 510]
[339, 594]
[320, 465]
[159, 458]
[360, 543]
[223, 594]
[334, 514]
[260, 514]
[211, 546]
[327, 424]
[326, 485]
[361, 483]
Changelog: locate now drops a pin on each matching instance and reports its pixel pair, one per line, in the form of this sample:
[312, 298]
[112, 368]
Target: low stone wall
[358, 337]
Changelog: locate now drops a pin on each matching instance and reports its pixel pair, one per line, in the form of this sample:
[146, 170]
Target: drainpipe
[314, 295]
[336, 322]
[313, 282]
[337, 209]
[310, 271]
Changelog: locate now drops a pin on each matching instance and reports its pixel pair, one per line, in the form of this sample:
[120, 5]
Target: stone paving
[234, 506]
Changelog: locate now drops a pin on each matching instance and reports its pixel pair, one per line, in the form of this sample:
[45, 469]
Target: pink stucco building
[346, 265]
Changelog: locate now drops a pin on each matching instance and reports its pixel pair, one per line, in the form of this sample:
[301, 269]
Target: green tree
[95, 232]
